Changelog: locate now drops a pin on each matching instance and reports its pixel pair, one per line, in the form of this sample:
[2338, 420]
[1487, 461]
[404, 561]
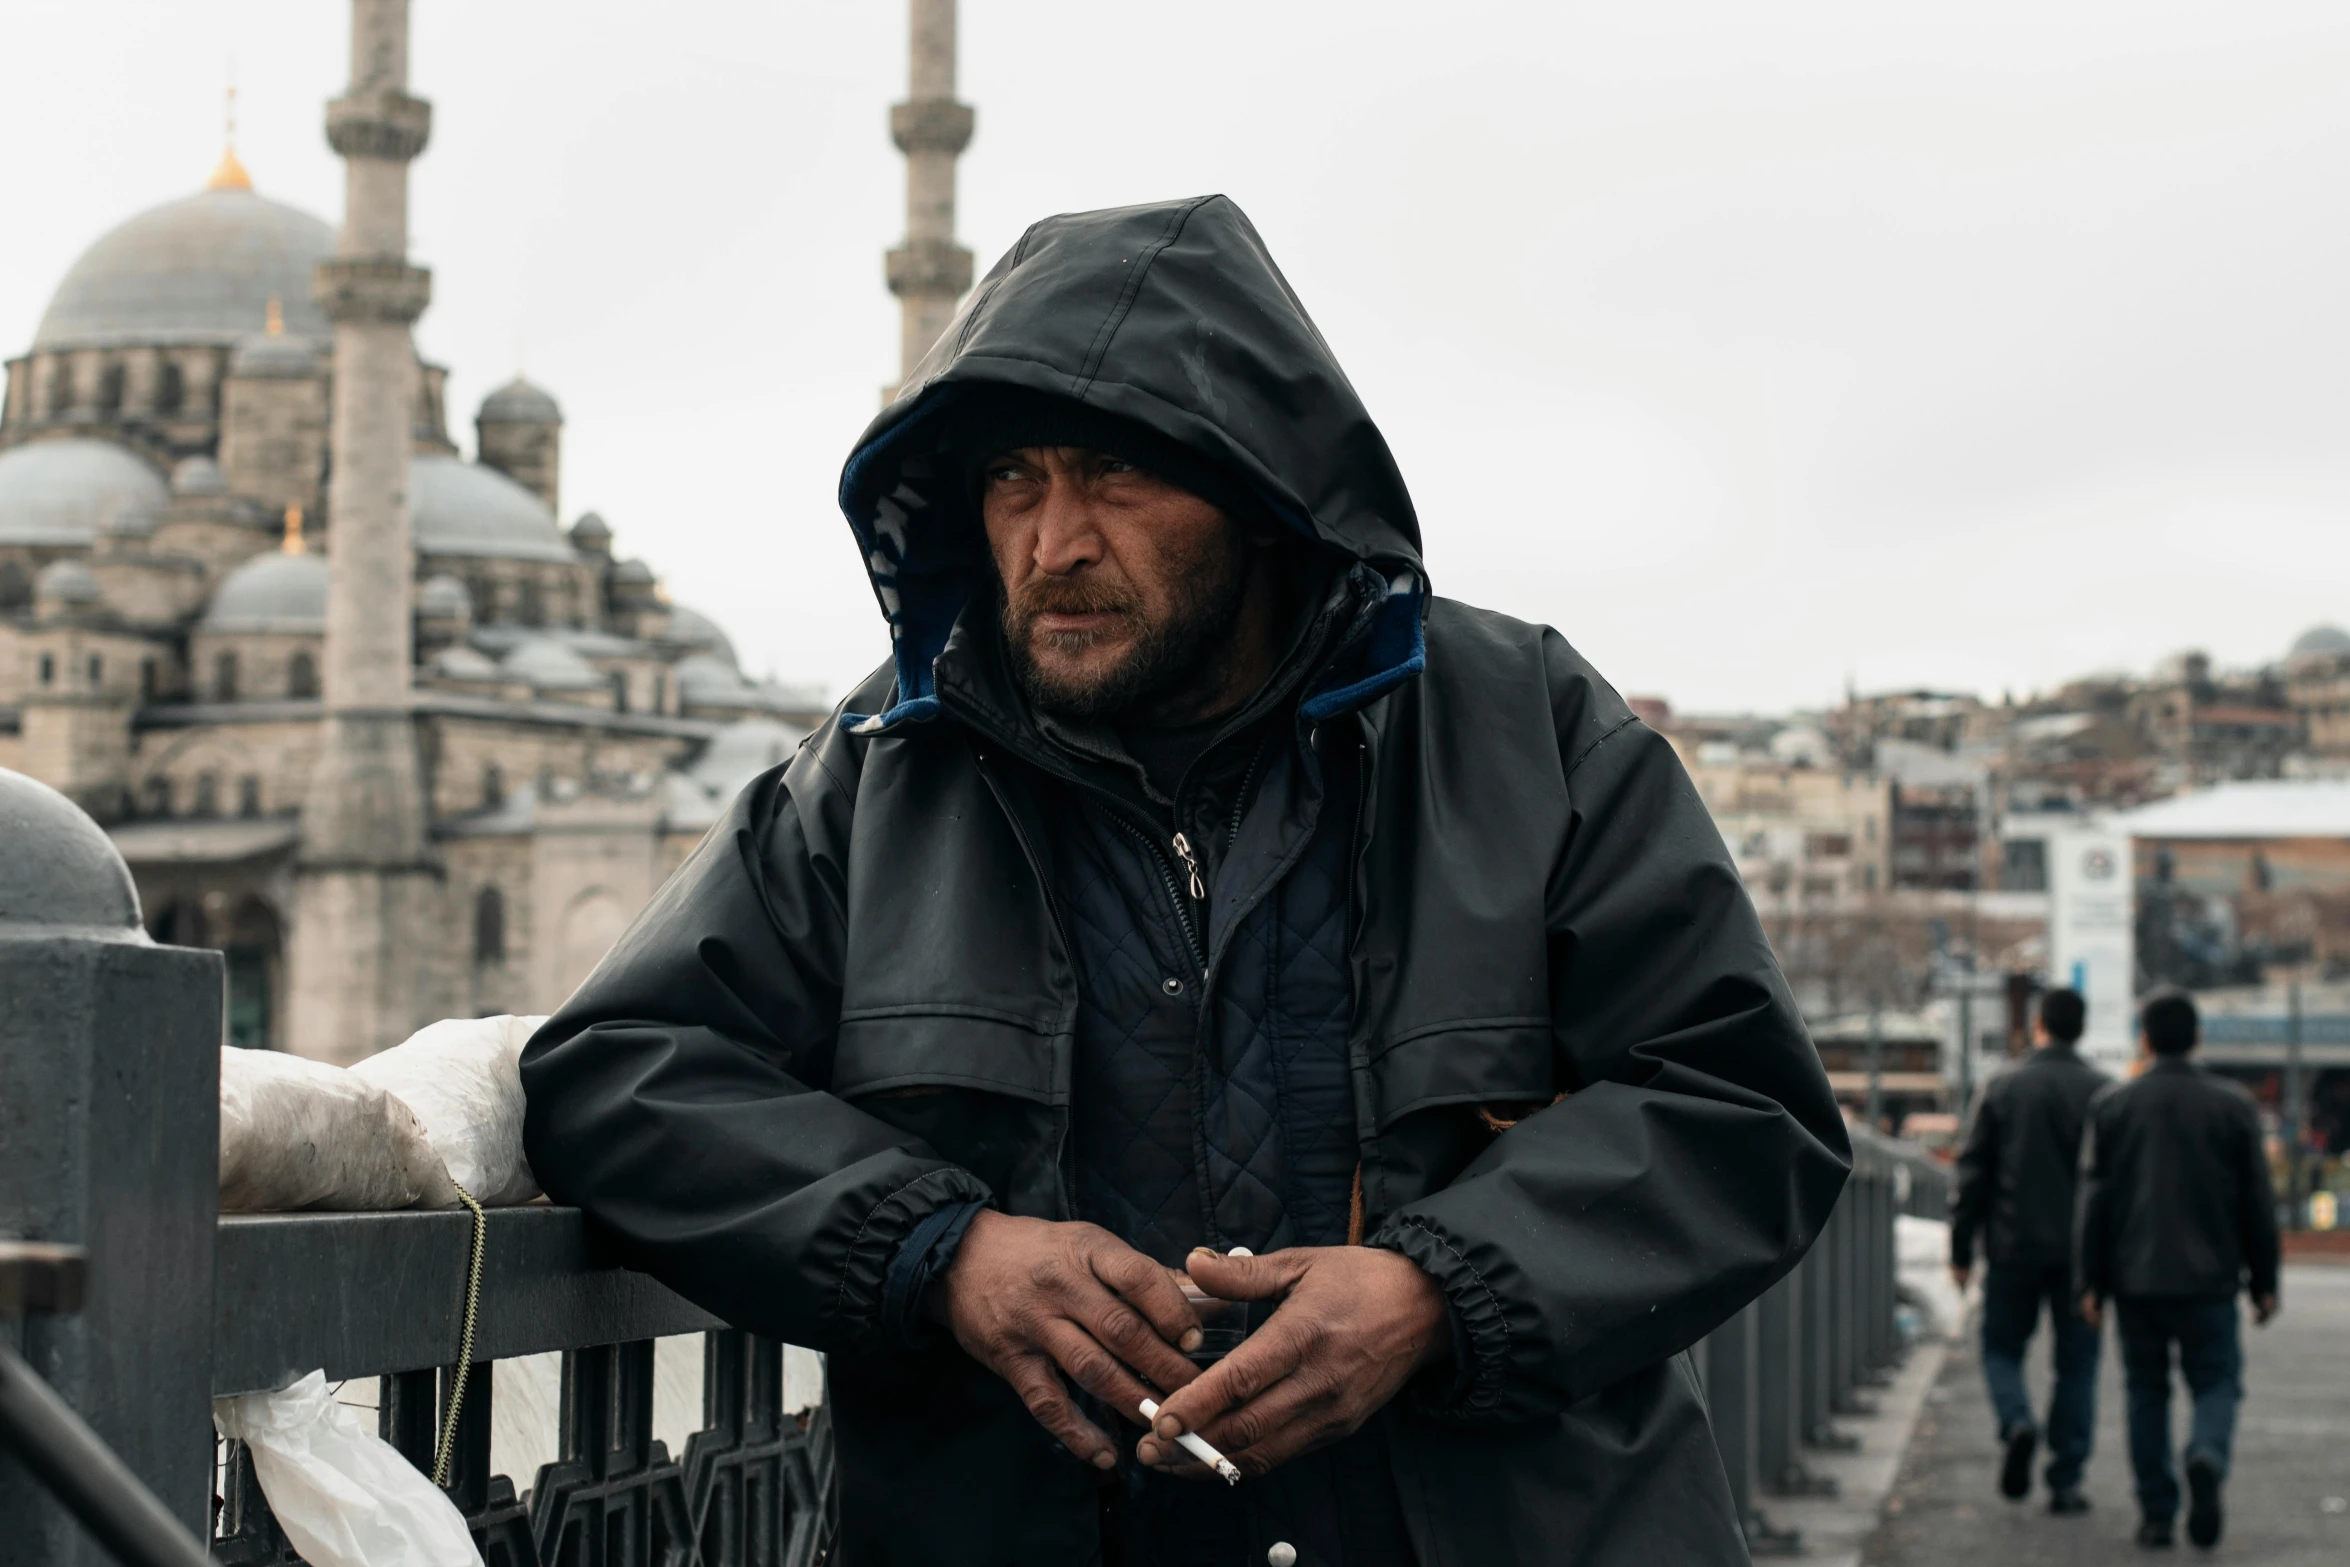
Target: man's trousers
[2211, 1358]
[2011, 1310]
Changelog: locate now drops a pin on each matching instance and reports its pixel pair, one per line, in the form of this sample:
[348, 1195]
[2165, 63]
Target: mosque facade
[357, 709]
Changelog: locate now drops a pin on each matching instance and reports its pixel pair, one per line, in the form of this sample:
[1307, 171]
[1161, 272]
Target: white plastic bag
[302, 1134]
[463, 1078]
[344, 1496]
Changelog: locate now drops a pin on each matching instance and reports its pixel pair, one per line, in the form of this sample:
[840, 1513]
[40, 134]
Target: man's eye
[1118, 465]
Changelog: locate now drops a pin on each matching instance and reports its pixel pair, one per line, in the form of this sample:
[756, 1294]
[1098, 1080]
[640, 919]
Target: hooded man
[1196, 910]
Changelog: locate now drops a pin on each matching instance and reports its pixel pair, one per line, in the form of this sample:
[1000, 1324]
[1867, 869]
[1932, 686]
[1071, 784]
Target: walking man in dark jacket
[1193, 884]
[2015, 1189]
[2176, 1216]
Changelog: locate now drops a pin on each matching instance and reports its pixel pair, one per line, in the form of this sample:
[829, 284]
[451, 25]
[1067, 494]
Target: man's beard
[1187, 649]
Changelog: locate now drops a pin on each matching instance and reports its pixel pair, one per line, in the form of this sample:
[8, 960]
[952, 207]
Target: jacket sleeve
[2258, 1221]
[1978, 1178]
[678, 1096]
[1700, 1150]
[2092, 1204]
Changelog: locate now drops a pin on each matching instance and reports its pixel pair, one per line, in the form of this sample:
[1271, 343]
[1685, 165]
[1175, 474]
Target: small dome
[198, 476]
[2320, 641]
[632, 574]
[68, 492]
[272, 592]
[444, 598]
[61, 872]
[741, 752]
[550, 666]
[591, 531]
[692, 628]
[202, 269]
[264, 356]
[519, 402]
[66, 582]
[463, 663]
[463, 508]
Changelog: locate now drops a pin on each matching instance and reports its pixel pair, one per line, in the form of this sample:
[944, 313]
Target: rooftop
[2260, 808]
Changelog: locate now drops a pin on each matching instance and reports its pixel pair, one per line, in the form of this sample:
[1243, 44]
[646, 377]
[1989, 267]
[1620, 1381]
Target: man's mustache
[1066, 596]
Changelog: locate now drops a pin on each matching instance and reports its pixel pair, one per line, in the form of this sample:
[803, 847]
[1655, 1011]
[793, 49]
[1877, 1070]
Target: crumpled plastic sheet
[344, 1496]
[301, 1134]
[463, 1078]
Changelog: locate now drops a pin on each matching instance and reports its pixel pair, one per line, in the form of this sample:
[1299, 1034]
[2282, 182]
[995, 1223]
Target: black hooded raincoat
[1584, 1100]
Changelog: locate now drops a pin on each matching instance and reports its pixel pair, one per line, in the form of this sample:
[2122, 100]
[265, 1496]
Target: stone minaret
[367, 883]
[929, 272]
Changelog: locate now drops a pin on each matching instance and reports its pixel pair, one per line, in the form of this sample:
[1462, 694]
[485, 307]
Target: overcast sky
[1756, 347]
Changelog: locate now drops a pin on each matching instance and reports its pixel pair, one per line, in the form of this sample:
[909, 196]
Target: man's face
[1118, 587]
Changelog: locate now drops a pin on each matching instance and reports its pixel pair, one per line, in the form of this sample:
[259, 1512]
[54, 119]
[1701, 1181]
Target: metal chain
[481, 1237]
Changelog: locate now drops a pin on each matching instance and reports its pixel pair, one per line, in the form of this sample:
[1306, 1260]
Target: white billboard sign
[2091, 936]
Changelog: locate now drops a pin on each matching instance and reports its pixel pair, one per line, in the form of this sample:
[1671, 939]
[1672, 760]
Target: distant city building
[356, 710]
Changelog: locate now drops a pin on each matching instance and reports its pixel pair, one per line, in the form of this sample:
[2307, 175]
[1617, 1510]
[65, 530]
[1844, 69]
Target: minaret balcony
[371, 288]
[929, 266]
[931, 125]
[388, 125]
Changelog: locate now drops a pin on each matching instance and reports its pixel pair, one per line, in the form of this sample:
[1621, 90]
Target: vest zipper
[1175, 900]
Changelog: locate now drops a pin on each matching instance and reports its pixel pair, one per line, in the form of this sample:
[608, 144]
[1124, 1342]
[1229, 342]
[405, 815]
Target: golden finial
[274, 323]
[293, 544]
[231, 174]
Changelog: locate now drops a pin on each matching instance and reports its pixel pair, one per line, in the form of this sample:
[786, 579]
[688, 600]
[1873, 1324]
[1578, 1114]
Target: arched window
[110, 390]
[170, 389]
[224, 677]
[301, 676]
[489, 926]
[493, 786]
[48, 669]
[96, 670]
[534, 604]
[159, 796]
[618, 680]
[150, 680]
[16, 586]
[60, 390]
[248, 796]
[207, 794]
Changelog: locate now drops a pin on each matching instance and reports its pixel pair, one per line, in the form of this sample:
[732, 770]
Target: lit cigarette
[1192, 1444]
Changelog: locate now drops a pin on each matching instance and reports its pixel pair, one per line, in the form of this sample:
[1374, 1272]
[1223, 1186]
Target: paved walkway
[2288, 1499]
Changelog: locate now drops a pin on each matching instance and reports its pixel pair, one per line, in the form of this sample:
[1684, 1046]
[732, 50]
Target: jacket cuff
[865, 1270]
[922, 1258]
[1481, 1334]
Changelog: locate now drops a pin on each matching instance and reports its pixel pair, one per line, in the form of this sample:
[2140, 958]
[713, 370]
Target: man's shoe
[2203, 1509]
[2066, 1501]
[2015, 1472]
[2154, 1532]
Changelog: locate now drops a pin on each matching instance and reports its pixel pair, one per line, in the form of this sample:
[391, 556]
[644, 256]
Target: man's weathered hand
[1960, 1273]
[1353, 1325]
[2263, 1308]
[2093, 1310]
[1025, 1296]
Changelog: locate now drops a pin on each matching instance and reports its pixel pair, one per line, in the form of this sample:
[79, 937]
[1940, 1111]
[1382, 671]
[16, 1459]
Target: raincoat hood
[1172, 316]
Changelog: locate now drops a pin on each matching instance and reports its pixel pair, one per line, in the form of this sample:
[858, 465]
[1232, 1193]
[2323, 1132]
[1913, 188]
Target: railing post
[109, 1140]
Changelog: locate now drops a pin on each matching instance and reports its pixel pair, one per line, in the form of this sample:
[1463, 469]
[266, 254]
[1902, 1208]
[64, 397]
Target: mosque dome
[273, 592]
[202, 269]
[68, 492]
[633, 573]
[519, 402]
[591, 531]
[271, 355]
[66, 582]
[742, 751]
[464, 663]
[703, 681]
[698, 631]
[2320, 642]
[198, 475]
[550, 666]
[463, 508]
[444, 598]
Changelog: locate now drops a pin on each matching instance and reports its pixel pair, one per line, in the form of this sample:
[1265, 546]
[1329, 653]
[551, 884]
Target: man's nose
[1067, 538]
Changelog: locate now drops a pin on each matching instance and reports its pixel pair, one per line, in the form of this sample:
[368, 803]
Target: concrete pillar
[367, 885]
[929, 272]
[109, 1140]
